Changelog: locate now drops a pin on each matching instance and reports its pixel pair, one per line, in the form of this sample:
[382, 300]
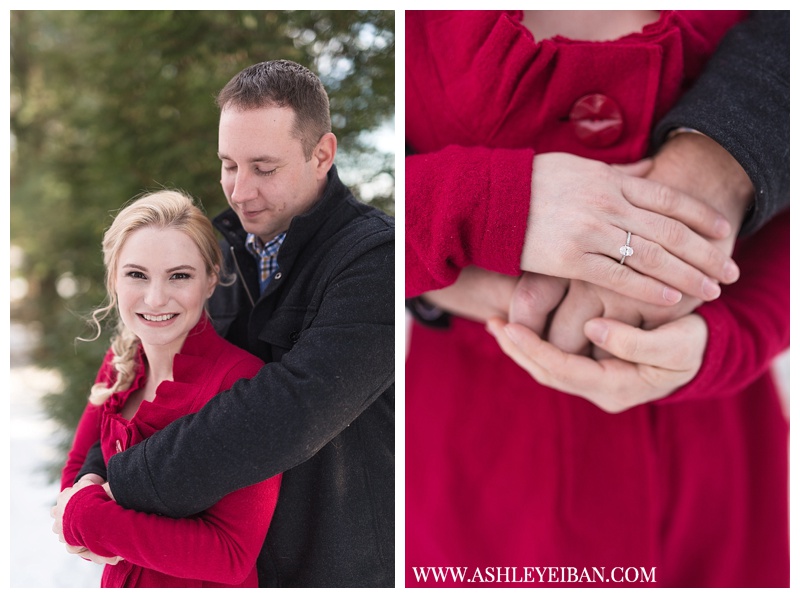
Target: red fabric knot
[596, 120]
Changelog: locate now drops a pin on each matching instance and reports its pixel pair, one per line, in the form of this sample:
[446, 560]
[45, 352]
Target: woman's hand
[581, 212]
[57, 513]
[646, 364]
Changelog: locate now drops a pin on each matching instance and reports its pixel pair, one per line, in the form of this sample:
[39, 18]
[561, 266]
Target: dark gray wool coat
[742, 102]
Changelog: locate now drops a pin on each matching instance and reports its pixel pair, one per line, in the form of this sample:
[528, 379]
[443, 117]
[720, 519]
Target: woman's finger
[636, 169]
[653, 260]
[610, 274]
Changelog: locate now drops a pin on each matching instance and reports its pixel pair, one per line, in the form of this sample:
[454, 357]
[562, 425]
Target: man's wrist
[707, 171]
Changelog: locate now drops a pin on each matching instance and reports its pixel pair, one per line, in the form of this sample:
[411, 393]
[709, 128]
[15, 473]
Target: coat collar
[188, 368]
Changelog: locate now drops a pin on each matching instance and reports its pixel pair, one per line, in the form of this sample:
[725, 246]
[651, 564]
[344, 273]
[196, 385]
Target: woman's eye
[181, 276]
[135, 274]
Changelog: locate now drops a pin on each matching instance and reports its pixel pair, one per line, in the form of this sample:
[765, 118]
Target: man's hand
[646, 365]
[480, 295]
[581, 211]
[57, 513]
[476, 295]
[585, 301]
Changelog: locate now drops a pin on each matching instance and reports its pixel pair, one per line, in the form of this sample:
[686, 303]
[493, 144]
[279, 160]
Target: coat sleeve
[288, 411]
[465, 206]
[742, 102]
[749, 324]
[220, 545]
[87, 433]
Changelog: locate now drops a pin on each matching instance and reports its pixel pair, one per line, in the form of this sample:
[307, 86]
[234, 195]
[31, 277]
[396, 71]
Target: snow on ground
[38, 559]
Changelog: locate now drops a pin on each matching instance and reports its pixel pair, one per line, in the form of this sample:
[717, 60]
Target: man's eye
[260, 172]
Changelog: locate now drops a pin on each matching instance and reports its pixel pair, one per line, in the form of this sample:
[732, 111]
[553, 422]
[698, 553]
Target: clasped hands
[57, 513]
[617, 335]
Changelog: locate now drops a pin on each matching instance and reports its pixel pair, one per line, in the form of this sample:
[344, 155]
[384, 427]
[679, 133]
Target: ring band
[626, 250]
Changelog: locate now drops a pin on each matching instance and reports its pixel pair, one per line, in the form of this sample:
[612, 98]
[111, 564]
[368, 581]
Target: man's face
[265, 175]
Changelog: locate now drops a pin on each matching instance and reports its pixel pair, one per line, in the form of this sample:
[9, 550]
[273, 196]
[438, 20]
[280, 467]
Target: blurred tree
[108, 104]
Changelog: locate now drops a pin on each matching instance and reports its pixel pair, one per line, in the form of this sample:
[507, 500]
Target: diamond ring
[626, 250]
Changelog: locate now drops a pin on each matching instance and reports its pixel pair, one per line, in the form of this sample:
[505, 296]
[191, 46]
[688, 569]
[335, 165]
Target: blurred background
[106, 105]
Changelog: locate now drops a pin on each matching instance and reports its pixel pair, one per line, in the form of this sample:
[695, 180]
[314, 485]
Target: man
[313, 297]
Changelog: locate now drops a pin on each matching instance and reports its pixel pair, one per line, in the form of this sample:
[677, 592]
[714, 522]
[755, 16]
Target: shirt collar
[258, 248]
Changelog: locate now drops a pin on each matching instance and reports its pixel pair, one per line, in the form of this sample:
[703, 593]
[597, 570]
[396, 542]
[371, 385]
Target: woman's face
[162, 286]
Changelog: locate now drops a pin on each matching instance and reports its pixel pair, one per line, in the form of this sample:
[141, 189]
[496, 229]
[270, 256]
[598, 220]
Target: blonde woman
[166, 360]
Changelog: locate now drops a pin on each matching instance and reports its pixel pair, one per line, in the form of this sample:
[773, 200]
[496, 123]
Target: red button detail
[596, 120]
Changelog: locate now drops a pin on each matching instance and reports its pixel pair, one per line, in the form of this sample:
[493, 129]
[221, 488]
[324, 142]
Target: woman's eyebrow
[173, 269]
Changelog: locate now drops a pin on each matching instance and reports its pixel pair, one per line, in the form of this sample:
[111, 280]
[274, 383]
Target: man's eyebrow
[264, 158]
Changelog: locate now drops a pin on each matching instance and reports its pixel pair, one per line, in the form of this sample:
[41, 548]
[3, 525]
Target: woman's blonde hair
[162, 209]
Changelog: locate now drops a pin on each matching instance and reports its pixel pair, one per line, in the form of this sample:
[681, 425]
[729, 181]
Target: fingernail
[596, 331]
[512, 334]
[671, 295]
[722, 227]
[731, 271]
[711, 289]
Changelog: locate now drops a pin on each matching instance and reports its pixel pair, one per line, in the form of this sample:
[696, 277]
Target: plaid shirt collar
[267, 256]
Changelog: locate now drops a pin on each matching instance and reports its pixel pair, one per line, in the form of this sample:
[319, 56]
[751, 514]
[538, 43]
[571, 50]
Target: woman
[505, 472]
[162, 264]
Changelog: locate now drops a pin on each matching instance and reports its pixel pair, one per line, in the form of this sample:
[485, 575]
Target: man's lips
[252, 213]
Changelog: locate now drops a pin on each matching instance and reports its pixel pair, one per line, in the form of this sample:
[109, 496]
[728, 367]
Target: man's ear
[324, 153]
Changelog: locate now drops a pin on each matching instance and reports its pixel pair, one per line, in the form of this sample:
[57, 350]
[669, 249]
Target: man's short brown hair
[282, 83]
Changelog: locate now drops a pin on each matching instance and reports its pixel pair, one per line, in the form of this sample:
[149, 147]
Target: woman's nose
[156, 295]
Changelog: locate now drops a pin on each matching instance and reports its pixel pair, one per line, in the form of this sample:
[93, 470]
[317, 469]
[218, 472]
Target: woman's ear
[213, 281]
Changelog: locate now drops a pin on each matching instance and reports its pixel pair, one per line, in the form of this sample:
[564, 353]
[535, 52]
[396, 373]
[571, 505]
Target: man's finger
[535, 296]
[667, 201]
[497, 328]
[682, 242]
[660, 347]
[578, 306]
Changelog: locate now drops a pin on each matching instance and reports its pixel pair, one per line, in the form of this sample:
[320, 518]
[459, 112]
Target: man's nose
[244, 187]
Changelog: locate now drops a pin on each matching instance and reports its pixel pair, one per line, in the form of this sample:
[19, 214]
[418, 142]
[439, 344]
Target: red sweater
[503, 472]
[217, 548]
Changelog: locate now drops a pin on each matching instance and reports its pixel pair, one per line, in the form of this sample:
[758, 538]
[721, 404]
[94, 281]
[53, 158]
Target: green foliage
[108, 104]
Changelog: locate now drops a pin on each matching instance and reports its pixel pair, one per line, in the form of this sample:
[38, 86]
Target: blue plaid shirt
[267, 256]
